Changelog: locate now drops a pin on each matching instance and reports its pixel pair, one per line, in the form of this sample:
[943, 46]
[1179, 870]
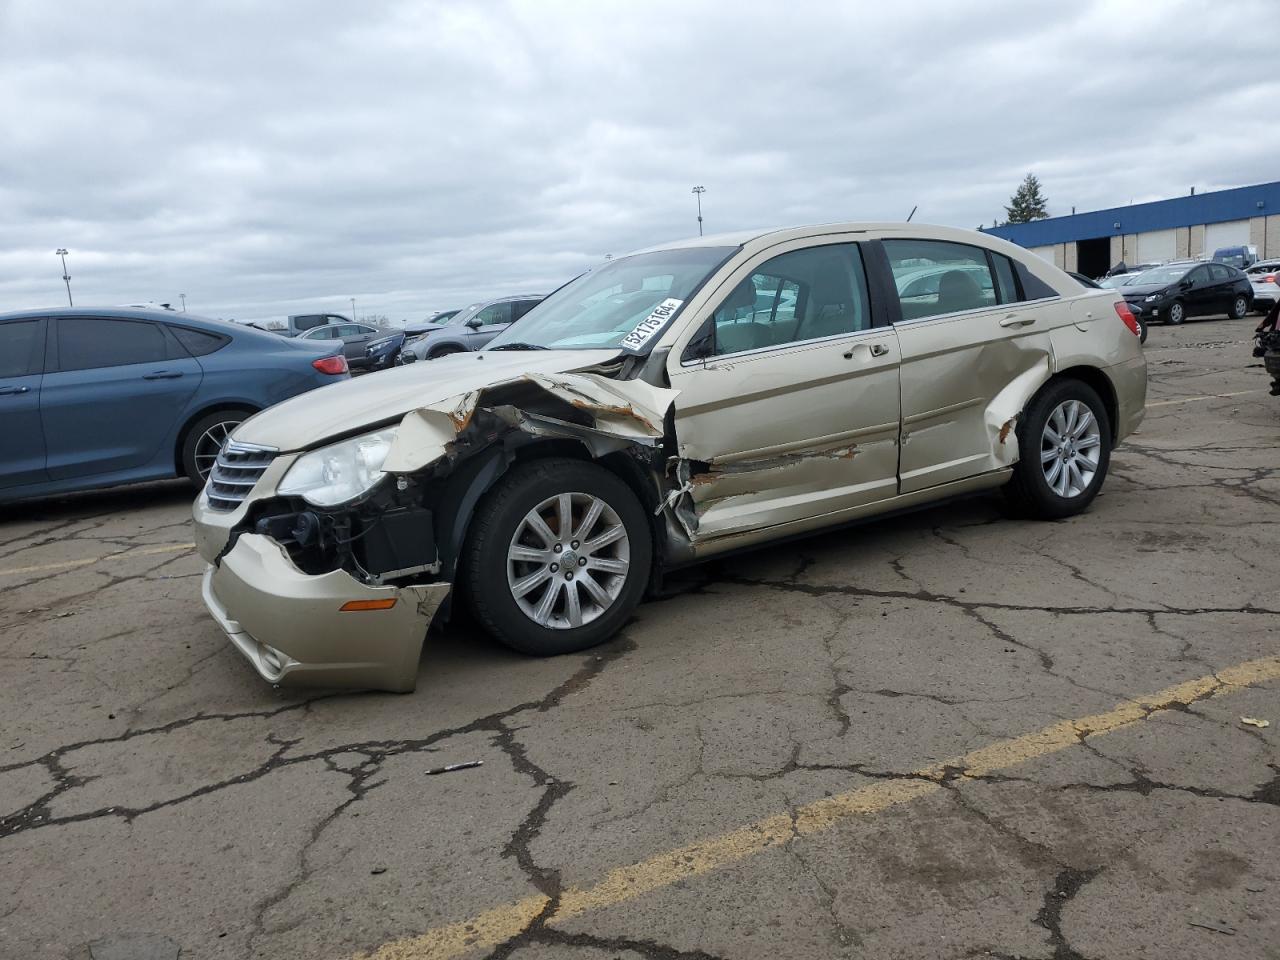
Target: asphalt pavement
[951, 734]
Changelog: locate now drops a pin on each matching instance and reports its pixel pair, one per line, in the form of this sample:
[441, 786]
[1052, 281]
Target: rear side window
[935, 277]
[21, 348]
[85, 343]
[1004, 279]
[197, 342]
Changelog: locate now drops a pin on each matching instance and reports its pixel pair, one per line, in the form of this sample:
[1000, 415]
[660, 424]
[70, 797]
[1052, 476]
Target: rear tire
[204, 439]
[1176, 313]
[1239, 307]
[1064, 452]
[529, 576]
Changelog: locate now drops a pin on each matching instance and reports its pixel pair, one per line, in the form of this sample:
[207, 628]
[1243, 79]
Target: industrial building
[1190, 226]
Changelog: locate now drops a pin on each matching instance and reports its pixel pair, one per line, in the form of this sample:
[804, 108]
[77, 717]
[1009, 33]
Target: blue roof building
[1191, 226]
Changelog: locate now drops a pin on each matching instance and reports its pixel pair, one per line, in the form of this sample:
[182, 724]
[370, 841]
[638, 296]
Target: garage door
[1044, 253]
[1233, 233]
[1157, 246]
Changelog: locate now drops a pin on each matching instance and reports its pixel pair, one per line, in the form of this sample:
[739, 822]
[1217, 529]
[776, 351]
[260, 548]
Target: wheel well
[199, 414]
[445, 349]
[1101, 385]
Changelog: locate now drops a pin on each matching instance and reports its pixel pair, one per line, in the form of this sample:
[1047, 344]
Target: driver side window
[495, 313]
[803, 295]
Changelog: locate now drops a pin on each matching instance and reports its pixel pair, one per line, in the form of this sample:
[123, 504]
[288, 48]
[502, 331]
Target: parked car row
[97, 397]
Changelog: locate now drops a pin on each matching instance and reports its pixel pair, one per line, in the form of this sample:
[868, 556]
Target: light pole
[66, 277]
[184, 302]
[353, 310]
[698, 191]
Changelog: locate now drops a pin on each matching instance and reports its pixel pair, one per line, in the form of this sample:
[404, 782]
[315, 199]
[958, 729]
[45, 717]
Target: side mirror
[475, 323]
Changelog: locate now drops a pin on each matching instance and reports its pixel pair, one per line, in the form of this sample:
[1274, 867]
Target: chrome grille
[237, 469]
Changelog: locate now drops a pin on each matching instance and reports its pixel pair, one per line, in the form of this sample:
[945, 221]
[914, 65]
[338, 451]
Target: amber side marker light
[351, 606]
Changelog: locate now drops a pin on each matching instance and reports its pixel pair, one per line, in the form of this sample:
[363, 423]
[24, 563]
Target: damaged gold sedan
[671, 405]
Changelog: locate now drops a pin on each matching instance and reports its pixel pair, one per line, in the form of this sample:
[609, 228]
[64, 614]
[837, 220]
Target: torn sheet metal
[1002, 413]
[563, 404]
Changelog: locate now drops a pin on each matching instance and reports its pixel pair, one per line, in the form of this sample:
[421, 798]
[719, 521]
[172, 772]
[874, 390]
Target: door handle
[9, 391]
[163, 375]
[875, 349]
[1017, 320]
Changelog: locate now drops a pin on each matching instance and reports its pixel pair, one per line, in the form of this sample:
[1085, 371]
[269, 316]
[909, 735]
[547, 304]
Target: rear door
[962, 344]
[22, 449]
[114, 395]
[1224, 287]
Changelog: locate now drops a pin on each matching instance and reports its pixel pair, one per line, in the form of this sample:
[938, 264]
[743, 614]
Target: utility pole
[353, 310]
[184, 302]
[66, 277]
[698, 191]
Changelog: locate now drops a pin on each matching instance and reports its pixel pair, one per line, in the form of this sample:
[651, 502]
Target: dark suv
[1176, 291]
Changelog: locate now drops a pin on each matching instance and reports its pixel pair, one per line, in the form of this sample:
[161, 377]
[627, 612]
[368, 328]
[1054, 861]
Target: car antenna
[912, 213]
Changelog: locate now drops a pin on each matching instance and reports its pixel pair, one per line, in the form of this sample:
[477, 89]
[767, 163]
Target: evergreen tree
[1027, 202]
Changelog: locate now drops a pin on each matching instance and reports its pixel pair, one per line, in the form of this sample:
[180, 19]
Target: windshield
[624, 303]
[1160, 276]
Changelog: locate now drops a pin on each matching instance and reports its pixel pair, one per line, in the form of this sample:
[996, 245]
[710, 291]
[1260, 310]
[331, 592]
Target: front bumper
[290, 627]
[1147, 311]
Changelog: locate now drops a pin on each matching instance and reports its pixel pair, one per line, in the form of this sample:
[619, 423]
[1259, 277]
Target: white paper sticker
[651, 324]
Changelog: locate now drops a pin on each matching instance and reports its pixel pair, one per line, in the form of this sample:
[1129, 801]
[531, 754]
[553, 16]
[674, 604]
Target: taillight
[1269, 278]
[333, 365]
[1130, 321]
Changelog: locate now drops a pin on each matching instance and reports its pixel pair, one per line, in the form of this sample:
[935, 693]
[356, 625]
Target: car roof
[754, 240]
[126, 313]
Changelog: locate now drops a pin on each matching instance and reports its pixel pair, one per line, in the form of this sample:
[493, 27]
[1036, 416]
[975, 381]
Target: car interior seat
[957, 290]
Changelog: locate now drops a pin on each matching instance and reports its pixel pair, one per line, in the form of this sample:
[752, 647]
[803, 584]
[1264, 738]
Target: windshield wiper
[518, 346]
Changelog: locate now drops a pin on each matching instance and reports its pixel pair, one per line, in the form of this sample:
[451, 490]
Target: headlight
[1152, 299]
[339, 472]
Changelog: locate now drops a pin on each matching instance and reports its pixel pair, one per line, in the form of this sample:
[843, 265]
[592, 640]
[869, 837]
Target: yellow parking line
[492, 927]
[1211, 396]
[123, 554]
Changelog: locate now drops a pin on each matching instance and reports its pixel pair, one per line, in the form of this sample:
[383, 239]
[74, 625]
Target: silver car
[672, 405]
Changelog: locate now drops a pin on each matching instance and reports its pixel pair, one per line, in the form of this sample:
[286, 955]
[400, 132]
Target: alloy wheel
[210, 445]
[568, 560]
[1070, 448]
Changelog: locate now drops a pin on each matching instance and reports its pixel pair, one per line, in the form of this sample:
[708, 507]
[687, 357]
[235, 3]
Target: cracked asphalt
[950, 734]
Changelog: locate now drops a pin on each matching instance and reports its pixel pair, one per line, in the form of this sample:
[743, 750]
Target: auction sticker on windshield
[651, 324]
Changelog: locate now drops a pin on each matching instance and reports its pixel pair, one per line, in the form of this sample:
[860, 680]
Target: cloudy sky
[270, 158]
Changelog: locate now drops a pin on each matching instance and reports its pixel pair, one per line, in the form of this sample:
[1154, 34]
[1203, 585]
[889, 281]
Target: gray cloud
[417, 156]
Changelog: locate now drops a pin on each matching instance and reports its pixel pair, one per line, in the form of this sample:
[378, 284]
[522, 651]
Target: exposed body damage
[720, 451]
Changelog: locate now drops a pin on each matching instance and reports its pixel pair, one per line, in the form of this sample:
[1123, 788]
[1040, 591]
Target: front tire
[557, 558]
[1064, 439]
[205, 438]
[1239, 307]
[1176, 313]
[1142, 327]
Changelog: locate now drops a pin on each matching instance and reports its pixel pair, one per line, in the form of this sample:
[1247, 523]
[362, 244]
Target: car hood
[1130, 291]
[348, 407]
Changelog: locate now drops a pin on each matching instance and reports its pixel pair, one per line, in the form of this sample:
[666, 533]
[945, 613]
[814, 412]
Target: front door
[965, 337]
[788, 406]
[115, 396]
[22, 453]
[1201, 297]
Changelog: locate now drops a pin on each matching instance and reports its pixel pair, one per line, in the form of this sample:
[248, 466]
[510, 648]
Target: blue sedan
[98, 397]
